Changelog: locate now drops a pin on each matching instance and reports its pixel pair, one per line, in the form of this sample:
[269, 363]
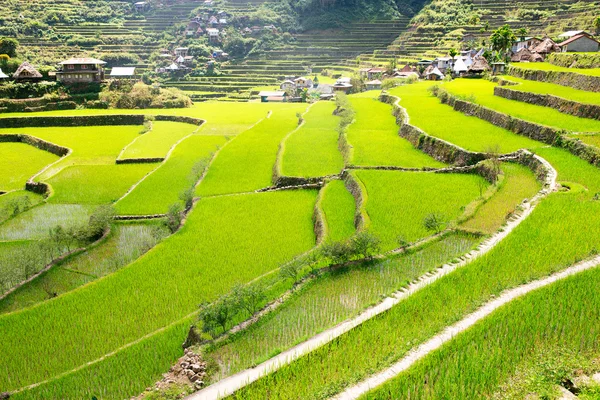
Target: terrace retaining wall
[563, 105]
[572, 79]
[35, 142]
[179, 118]
[359, 192]
[531, 130]
[72, 121]
[140, 160]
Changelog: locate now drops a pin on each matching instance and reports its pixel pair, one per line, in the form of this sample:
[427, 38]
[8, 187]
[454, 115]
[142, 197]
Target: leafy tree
[597, 25]
[9, 46]
[503, 39]
[187, 197]
[337, 252]
[219, 314]
[174, 217]
[292, 270]
[434, 222]
[365, 244]
[522, 33]
[249, 297]
[402, 242]
[100, 221]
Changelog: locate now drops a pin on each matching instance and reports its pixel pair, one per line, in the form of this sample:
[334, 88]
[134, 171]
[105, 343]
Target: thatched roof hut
[546, 47]
[26, 71]
[479, 66]
[523, 55]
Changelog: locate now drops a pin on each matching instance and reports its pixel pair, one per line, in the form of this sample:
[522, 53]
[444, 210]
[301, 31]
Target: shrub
[365, 244]
[174, 217]
[434, 222]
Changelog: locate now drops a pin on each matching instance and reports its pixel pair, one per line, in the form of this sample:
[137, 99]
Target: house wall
[584, 44]
[76, 77]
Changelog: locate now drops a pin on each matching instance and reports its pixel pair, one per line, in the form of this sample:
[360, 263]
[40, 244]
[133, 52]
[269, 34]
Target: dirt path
[235, 382]
[449, 333]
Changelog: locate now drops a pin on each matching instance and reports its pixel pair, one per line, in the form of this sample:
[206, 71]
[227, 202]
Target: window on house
[70, 67]
[84, 67]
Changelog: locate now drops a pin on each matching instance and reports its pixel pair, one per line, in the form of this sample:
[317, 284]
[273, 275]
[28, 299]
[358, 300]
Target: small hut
[479, 66]
[433, 74]
[26, 72]
[460, 67]
[523, 55]
[546, 47]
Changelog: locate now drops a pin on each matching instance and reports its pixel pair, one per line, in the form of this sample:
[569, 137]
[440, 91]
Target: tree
[522, 33]
[503, 39]
[187, 197]
[218, 314]
[597, 25]
[434, 222]
[337, 252]
[365, 244]
[100, 221]
[292, 270]
[174, 217]
[9, 46]
[249, 297]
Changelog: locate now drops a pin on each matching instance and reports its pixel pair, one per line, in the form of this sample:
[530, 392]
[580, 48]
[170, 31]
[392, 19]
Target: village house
[582, 42]
[303, 83]
[181, 51]
[84, 69]
[272, 97]
[526, 43]
[498, 68]
[433, 73]
[546, 47]
[342, 85]
[141, 6]
[213, 35]
[26, 72]
[444, 63]
[288, 85]
[460, 68]
[525, 55]
[480, 65]
[373, 85]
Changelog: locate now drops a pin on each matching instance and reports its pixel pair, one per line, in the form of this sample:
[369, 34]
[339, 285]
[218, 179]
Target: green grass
[6, 200]
[19, 162]
[161, 189]
[312, 150]
[398, 202]
[36, 223]
[592, 140]
[565, 92]
[552, 67]
[474, 364]
[220, 245]
[95, 184]
[519, 184]
[127, 242]
[375, 141]
[121, 375]
[246, 163]
[157, 142]
[571, 230]
[18, 261]
[482, 92]
[338, 206]
[329, 300]
[440, 120]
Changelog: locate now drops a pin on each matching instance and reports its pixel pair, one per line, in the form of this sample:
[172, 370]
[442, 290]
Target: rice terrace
[300, 199]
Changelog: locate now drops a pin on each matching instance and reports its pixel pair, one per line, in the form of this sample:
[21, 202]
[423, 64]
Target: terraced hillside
[433, 32]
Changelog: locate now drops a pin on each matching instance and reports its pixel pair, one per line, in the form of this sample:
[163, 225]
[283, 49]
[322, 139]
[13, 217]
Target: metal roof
[122, 71]
[83, 61]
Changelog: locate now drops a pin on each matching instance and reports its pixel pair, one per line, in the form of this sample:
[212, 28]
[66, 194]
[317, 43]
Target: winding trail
[229, 385]
[449, 333]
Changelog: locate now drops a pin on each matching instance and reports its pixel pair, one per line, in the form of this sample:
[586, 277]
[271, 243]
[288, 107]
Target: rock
[198, 385]
[565, 394]
[189, 373]
[184, 365]
[196, 368]
[4, 395]
[195, 378]
[582, 381]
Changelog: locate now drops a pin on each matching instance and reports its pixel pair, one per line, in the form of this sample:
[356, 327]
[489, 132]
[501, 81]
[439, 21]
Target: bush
[434, 222]
[365, 244]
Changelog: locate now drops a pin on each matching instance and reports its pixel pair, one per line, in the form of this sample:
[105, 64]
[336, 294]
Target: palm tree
[522, 33]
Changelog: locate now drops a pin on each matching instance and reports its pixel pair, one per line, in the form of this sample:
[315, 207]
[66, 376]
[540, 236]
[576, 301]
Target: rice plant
[19, 162]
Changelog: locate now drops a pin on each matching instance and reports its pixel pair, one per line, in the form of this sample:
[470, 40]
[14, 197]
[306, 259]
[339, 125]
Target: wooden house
[26, 72]
[76, 70]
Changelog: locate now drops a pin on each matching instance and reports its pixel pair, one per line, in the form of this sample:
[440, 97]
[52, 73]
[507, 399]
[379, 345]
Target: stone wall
[547, 100]
[571, 79]
[88, 120]
[35, 142]
[359, 192]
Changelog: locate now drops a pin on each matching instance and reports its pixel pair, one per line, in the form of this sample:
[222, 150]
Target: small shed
[342, 87]
[26, 72]
[373, 85]
[480, 65]
[498, 68]
[433, 73]
[547, 46]
[460, 67]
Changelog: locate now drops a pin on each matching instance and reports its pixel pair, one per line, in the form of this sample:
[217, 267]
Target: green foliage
[502, 39]
[141, 95]
[365, 244]
[434, 222]
[9, 46]
[174, 217]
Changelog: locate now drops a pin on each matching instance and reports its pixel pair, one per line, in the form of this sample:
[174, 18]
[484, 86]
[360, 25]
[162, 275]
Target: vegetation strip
[233, 383]
[449, 333]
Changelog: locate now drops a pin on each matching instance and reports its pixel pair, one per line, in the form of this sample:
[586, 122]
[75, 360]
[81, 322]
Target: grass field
[246, 164]
[161, 189]
[127, 242]
[552, 67]
[19, 162]
[95, 184]
[374, 138]
[528, 253]
[338, 206]
[7, 200]
[212, 252]
[565, 92]
[398, 202]
[312, 150]
[593, 140]
[479, 361]
[18, 261]
[519, 184]
[332, 298]
[482, 92]
[157, 142]
[470, 133]
[36, 223]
